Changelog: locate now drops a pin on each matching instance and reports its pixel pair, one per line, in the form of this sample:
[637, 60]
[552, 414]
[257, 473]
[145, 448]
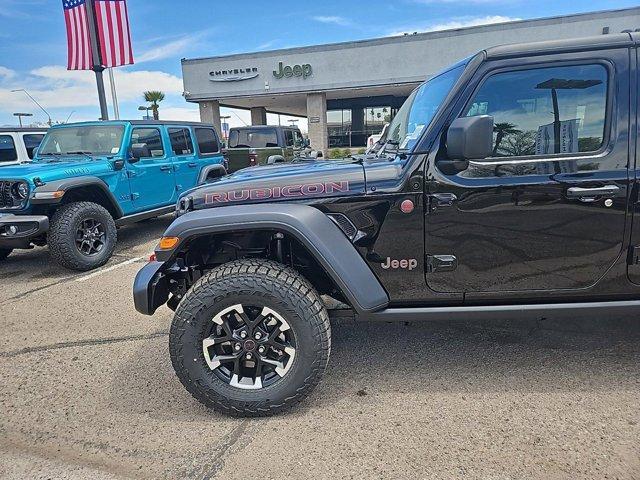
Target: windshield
[89, 139]
[419, 109]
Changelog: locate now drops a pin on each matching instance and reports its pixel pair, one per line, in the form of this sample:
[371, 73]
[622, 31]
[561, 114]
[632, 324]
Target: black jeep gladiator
[507, 187]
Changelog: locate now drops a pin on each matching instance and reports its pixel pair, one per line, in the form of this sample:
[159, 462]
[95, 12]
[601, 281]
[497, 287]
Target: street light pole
[20, 115]
[34, 101]
[97, 66]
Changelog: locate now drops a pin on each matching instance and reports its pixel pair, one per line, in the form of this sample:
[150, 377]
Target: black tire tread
[246, 274]
[4, 253]
[61, 250]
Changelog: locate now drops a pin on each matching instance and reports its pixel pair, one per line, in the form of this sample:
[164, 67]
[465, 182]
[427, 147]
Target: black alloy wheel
[249, 346]
[250, 338]
[91, 237]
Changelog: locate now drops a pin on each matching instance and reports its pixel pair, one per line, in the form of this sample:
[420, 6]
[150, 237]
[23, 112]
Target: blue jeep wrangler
[89, 178]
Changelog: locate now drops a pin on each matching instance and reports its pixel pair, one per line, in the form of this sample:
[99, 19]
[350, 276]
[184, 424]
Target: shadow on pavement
[386, 360]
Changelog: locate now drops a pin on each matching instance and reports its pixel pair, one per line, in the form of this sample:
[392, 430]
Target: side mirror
[117, 164]
[138, 151]
[275, 159]
[470, 138]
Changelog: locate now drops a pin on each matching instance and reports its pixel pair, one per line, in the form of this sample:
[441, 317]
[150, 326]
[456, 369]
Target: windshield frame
[42, 154]
[396, 148]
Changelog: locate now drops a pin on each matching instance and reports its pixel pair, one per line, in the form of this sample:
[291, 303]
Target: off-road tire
[61, 235]
[253, 280]
[4, 253]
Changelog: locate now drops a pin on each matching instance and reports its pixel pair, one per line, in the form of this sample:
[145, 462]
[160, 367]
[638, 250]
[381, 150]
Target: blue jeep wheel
[82, 236]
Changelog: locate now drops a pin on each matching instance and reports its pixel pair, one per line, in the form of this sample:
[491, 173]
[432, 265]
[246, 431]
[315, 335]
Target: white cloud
[453, 24]
[6, 73]
[334, 19]
[55, 87]
[171, 47]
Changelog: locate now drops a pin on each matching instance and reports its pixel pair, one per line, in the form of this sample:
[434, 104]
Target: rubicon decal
[269, 193]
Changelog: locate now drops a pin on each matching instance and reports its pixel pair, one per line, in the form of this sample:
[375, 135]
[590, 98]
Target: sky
[33, 43]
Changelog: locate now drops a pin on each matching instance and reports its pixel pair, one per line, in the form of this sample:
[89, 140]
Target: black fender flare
[44, 193]
[321, 236]
[204, 173]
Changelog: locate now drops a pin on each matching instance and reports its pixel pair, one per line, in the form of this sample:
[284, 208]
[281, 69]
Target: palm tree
[153, 97]
[501, 130]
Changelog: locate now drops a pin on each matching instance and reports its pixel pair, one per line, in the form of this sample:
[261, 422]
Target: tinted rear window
[207, 140]
[253, 138]
[7, 149]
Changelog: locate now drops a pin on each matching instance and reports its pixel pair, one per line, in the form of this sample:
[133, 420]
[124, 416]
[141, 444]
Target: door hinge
[131, 174]
[441, 263]
[135, 196]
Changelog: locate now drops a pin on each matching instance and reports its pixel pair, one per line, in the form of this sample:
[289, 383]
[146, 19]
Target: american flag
[78, 42]
[112, 27]
[113, 32]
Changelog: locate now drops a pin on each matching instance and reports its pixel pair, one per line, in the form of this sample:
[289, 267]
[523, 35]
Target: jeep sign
[303, 71]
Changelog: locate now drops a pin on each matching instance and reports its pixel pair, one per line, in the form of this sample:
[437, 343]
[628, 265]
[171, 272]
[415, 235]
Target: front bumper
[150, 288]
[17, 231]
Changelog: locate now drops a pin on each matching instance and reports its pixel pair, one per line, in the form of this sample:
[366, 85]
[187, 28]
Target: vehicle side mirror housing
[118, 164]
[275, 159]
[470, 138]
[138, 151]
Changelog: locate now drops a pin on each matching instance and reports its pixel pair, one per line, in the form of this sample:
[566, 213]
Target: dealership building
[347, 91]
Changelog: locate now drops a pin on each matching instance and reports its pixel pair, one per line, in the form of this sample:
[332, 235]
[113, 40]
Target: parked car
[508, 188]
[250, 146]
[89, 178]
[372, 140]
[17, 145]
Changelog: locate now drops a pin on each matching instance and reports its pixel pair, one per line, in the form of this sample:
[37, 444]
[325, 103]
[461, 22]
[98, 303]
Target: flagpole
[97, 64]
[114, 96]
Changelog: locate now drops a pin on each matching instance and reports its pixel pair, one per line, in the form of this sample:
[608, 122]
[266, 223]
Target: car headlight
[21, 190]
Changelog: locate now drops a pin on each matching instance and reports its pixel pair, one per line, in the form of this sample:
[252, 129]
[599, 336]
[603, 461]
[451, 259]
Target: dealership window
[31, 142]
[151, 137]
[351, 128]
[7, 149]
[181, 142]
[207, 140]
[253, 138]
[545, 111]
[339, 128]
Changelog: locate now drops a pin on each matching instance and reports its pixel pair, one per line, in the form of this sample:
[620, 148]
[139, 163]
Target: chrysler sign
[233, 74]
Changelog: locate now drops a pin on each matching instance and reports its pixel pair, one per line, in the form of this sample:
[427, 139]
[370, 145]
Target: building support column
[258, 116]
[317, 121]
[357, 128]
[210, 113]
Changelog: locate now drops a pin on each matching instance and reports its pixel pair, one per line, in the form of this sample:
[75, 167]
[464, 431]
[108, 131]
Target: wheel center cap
[249, 345]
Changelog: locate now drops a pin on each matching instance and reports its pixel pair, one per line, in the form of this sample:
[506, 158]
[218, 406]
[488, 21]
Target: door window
[207, 140]
[288, 138]
[7, 149]
[545, 111]
[298, 139]
[181, 142]
[151, 138]
[31, 142]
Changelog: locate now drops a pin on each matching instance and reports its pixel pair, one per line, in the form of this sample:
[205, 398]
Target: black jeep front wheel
[82, 236]
[4, 253]
[251, 338]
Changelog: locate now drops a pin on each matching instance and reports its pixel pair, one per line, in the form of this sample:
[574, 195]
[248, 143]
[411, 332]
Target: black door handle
[588, 194]
[165, 168]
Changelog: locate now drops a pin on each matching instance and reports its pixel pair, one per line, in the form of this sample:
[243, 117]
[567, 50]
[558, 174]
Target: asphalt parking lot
[88, 391]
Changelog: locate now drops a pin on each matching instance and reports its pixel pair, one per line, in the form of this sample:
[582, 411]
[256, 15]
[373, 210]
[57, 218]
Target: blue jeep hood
[52, 170]
[290, 181]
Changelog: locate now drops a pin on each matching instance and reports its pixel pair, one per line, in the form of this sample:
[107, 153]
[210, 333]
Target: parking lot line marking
[108, 269]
